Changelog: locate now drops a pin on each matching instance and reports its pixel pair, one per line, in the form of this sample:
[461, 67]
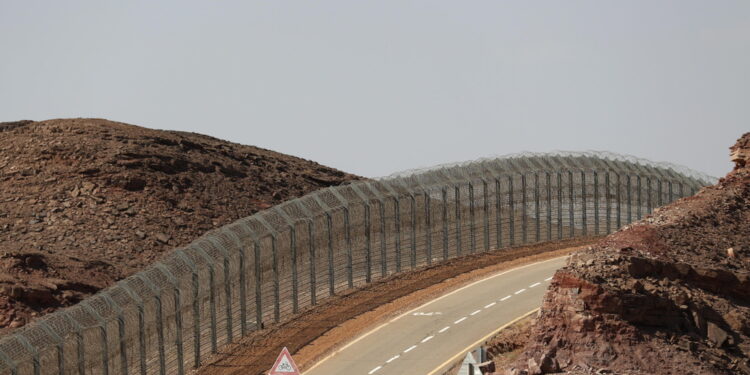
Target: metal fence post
[242, 276]
[141, 326]
[349, 255]
[243, 288]
[445, 223]
[196, 307]
[559, 206]
[639, 201]
[486, 218]
[177, 316]
[660, 200]
[257, 278]
[331, 273]
[121, 332]
[59, 345]
[295, 280]
[512, 215]
[537, 209]
[472, 234]
[629, 191]
[649, 201]
[596, 203]
[383, 254]
[548, 180]
[524, 214]
[368, 245]
[571, 205]
[311, 253]
[368, 225]
[227, 286]
[413, 255]
[211, 295]
[498, 215]
[258, 285]
[671, 192]
[293, 255]
[102, 333]
[159, 321]
[397, 216]
[276, 282]
[428, 225]
[619, 201]
[457, 189]
[608, 201]
[584, 219]
[80, 359]
[275, 268]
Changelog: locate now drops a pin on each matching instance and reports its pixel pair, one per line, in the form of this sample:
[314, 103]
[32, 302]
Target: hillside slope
[86, 202]
[667, 295]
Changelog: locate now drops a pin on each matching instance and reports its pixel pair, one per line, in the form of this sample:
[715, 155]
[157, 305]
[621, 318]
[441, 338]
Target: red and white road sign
[284, 364]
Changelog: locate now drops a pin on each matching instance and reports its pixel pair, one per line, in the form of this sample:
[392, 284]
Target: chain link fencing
[267, 267]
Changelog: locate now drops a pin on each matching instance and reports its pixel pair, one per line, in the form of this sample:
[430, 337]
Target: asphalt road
[422, 340]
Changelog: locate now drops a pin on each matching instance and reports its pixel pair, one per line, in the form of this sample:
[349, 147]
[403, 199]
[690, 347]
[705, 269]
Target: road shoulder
[319, 332]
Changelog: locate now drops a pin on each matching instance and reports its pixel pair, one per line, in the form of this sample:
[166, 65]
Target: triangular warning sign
[284, 364]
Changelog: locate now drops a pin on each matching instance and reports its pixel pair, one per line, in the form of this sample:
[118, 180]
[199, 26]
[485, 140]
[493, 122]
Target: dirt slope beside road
[86, 202]
[667, 295]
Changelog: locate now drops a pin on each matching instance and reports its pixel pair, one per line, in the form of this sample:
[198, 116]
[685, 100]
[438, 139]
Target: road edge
[458, 355]
[421, 306]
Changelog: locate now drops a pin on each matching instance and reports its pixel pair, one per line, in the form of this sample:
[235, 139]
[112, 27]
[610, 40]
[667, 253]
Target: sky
[375, 87]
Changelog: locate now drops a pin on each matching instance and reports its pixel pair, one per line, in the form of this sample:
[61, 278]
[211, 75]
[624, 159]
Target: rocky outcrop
[667, 295]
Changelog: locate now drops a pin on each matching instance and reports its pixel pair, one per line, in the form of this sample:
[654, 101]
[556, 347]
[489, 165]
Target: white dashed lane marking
[428, 338]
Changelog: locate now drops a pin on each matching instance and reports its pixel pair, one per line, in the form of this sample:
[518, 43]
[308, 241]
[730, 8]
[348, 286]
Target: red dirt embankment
[667, 295]
[87, 202]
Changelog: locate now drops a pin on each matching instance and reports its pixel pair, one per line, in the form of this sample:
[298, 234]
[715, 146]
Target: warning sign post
[284, 364]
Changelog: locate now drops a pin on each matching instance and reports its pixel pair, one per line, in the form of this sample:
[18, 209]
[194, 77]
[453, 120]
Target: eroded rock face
[662, 296]
[740, 152]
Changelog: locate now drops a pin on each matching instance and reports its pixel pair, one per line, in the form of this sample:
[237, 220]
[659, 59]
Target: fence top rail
[161, 279]
[584, 159]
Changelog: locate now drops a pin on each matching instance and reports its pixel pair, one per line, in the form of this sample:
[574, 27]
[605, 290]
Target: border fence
[267, 267]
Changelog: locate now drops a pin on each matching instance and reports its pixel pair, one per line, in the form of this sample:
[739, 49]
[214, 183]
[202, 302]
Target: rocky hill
[667, 295]
[86, 202]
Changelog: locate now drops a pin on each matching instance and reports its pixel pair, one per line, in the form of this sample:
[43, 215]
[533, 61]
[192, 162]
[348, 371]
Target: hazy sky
[373, 87]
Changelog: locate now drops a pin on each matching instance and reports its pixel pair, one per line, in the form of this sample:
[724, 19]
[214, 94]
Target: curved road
[422, 341]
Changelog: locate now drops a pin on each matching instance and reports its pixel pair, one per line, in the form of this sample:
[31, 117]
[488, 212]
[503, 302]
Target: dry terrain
[87, 202]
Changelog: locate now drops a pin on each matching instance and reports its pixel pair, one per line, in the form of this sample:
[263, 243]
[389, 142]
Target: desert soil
[87, 202]
[667, 295]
